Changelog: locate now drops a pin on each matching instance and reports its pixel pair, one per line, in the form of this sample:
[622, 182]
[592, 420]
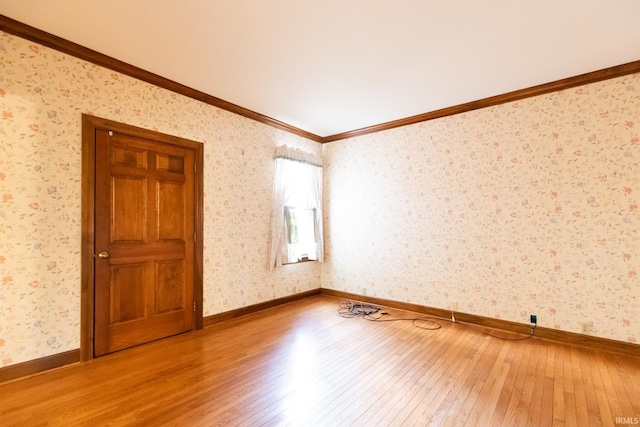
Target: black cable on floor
[349, 309]
[374, 313]
[500, 338]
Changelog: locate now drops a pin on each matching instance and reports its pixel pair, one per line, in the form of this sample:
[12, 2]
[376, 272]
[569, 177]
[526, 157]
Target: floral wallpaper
[529, 207]
[525, 208]
[43, 94]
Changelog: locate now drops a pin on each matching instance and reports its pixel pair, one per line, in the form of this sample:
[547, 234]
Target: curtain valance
[295, 154]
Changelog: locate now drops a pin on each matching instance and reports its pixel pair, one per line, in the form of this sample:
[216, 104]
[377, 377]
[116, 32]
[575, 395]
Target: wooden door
[144, 241]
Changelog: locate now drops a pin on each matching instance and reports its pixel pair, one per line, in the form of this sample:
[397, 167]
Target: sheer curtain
[297, 183]
[316, 189]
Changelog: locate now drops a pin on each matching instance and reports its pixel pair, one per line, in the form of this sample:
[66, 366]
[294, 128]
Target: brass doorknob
[103, 255]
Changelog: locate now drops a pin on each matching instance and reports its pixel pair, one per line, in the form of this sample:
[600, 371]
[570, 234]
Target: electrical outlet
[534, 319]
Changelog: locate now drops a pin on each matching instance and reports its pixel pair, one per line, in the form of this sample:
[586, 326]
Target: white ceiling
[330, 66]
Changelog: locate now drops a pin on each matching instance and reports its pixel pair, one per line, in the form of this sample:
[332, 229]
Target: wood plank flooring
[300, 364]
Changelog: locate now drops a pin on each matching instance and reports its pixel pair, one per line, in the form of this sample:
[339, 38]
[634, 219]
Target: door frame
[87, 275]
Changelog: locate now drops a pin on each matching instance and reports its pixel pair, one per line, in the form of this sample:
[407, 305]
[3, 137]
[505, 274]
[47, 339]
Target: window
[296, 218]
[302, 233]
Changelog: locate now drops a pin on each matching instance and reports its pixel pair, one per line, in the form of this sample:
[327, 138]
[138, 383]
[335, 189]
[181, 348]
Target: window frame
[314, 220]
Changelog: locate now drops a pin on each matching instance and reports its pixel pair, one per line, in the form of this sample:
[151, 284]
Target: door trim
[87, 275]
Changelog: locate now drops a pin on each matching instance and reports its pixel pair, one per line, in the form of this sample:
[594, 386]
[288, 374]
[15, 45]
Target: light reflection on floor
[302, 387]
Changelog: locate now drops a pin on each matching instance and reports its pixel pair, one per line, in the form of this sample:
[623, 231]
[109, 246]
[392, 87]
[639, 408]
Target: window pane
[300, 225]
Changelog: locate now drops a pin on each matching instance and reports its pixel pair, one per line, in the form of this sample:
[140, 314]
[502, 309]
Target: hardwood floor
[301, 364]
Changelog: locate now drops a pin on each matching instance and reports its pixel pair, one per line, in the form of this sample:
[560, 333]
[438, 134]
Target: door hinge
[194, 306]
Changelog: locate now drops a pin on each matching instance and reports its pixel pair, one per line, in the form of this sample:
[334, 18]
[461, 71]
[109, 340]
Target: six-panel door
[143, 241]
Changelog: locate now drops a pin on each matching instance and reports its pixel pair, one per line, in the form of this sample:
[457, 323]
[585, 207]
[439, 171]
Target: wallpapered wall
[527, 207]
[530, 207]
[42, 96]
